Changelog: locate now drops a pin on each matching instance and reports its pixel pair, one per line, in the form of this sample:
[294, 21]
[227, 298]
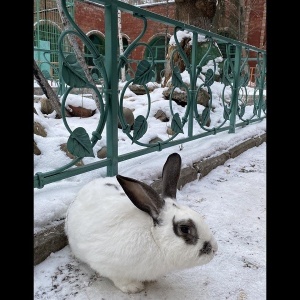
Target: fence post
[111, 93]
[235, 89]
[261, 82]
[193, 84]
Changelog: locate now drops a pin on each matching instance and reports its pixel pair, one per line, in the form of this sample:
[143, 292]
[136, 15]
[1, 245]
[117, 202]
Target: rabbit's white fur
[129, 245]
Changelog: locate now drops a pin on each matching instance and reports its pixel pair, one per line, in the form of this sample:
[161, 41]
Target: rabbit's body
[130, 245]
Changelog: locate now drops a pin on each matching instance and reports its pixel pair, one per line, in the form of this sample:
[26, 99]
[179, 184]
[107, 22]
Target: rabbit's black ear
[170, 175]
[142, 196]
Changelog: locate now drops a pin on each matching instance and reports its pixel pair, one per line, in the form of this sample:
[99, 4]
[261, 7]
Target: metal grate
[47, 29]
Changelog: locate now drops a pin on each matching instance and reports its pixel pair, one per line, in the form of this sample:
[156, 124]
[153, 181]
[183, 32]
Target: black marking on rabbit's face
[186, 229]
[206, 249]
[111, 184]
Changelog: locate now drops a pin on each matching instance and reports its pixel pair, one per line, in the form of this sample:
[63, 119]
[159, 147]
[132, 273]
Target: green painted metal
[47, 29]
[158, 47]
[111, 93]
[235, 75]
[192, 69]
[235, 88]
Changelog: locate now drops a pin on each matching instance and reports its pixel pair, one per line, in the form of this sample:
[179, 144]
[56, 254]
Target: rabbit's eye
[184, 229]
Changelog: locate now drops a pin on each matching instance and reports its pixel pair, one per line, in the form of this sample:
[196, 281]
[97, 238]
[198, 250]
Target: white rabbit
[123, 229]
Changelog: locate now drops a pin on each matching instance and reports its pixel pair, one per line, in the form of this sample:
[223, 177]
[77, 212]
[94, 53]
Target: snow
[232, 198]
[184, 34]
[77, 101]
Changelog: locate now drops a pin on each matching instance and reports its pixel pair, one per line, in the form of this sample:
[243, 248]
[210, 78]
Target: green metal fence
[234, 74]
[47, 29]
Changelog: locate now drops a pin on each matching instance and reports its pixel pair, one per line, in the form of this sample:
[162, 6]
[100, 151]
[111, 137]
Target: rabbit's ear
[142, 196]
[170, 175]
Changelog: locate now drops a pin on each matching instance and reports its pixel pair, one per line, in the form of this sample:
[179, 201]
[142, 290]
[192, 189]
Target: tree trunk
[48, 91]
[198, 13]
[184, 44]
[78, 53]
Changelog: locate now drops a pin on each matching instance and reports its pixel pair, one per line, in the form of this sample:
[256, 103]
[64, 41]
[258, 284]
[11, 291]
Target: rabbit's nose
[207, 248]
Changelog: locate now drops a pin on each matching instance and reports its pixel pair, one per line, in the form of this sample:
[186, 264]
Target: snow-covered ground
[232, 199]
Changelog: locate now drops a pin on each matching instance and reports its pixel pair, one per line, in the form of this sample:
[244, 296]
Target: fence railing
[234, 73]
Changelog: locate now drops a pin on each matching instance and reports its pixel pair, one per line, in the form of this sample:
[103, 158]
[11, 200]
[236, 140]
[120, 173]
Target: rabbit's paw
[129, 286]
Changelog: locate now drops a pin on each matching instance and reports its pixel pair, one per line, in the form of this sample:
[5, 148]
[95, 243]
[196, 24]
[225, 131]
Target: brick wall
[255, 25]
[132, 26]
[256, 22]
[90, 17]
